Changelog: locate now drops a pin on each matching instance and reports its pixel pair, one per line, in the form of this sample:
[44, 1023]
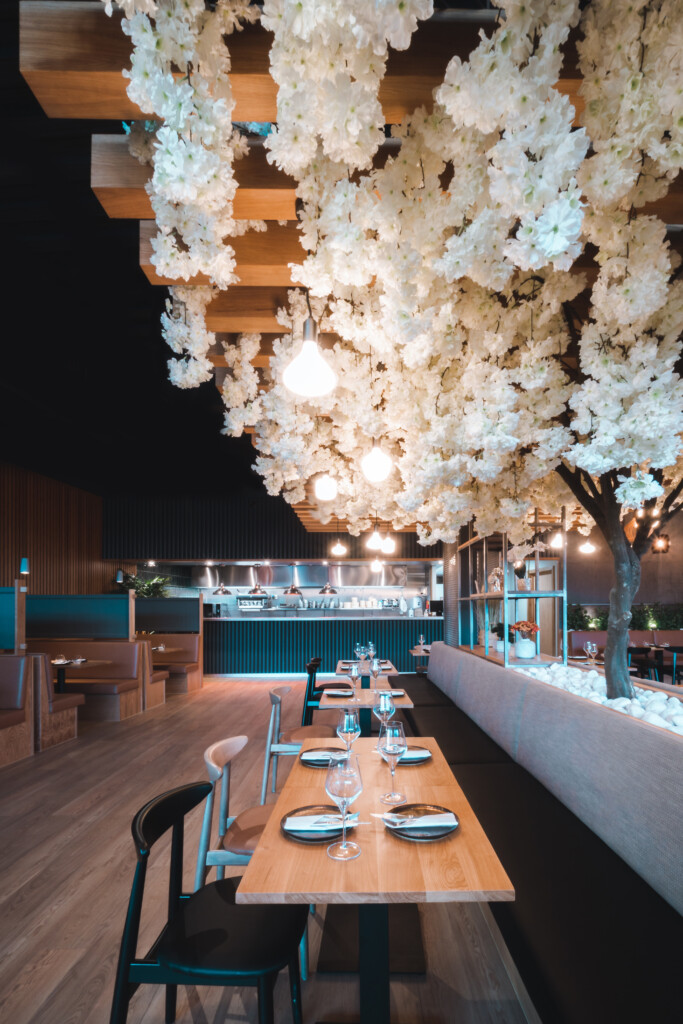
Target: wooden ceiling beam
[118, 180]
[262, 257]
[242, 309]
[72, 55]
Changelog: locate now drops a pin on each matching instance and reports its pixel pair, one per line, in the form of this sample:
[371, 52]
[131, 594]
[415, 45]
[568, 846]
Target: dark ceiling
[84, 395]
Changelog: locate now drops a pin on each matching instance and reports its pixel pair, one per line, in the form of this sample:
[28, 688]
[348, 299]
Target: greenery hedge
[645, 616]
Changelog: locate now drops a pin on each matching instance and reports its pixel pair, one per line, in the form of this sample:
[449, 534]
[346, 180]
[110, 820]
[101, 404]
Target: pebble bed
[651, 706]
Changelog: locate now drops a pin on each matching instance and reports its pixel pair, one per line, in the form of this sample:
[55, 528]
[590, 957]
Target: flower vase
[500, 646]
[525, 648]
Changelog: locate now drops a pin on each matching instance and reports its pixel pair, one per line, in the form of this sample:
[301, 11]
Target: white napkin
[319, 756]
[415, 755]
[339, 693]
[60, 661]
[318, 822]
[423, 821]
[395, 693]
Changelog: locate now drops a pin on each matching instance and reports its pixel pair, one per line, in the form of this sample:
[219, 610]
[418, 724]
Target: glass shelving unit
[480, 606]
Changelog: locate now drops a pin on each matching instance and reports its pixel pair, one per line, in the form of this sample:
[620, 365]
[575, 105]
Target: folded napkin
[422, 821]
[415, 755]
[339, 693]
[320, 756]
[318, 822]
[60, 661]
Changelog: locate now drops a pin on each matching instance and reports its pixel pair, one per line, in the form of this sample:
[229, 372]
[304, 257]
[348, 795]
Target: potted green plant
[156, 587]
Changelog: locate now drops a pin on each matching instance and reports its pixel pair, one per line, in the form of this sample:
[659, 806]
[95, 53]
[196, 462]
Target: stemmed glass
[357, 650]
[421, 640]
[374, 669]
[348, 728]
[392, 745]
[353, 676]
[591, 650]
[372, 650]
[343, 784]
[383, 708]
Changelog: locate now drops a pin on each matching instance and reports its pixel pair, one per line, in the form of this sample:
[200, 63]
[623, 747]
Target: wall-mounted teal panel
[248, 646]
[86, 616]
[7, 599]
[168, 614]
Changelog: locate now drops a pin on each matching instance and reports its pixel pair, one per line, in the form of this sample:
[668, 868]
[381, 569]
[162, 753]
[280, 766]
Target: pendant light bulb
[376, 466]
[556, 541]
[587, 548]
[339, 549]
[376, 565]
[325, 488]
[388, 546]
[308, 374]
[375, 541]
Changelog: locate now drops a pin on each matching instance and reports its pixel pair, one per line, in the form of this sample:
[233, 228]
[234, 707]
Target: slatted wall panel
[451, 632]
[59, 529]
[259, 527]
[286, 646]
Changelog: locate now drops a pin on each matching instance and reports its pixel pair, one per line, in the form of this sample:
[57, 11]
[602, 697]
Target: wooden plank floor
[67, 860]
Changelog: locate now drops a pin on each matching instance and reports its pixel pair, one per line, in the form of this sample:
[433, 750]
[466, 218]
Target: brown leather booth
[112, 691]
[183, 659]
[55, 714]
[16, 709]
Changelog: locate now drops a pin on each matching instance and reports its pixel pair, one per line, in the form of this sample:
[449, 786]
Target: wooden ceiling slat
[246, 309]
[118, 180]
[72, 55]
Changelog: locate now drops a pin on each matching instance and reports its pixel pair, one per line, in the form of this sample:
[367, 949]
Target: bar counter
[285, 643]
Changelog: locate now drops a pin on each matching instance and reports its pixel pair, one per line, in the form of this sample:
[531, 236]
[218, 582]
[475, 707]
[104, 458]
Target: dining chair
[285, 744]
[237, 836]
[207, 939]
[314, 690]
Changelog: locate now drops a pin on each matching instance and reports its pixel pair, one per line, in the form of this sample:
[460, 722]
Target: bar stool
[287, 744]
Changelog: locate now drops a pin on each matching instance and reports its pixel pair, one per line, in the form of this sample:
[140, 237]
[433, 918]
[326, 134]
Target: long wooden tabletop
[462, 867]
[364, 698]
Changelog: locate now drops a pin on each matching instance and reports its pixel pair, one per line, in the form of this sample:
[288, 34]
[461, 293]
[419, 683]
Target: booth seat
[153, 680]
[16, 709]
[55, 714]
[113, 691]
[183, 659]
[585, 810]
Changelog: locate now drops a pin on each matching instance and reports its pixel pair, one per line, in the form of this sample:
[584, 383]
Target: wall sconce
[23, 568]
[119, 575]
[660, 544]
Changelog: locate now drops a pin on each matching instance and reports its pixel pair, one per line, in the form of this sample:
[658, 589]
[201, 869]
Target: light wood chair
[285, 744]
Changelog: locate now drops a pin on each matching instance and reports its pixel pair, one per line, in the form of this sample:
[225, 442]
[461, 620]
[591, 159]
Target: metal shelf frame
[468, 549]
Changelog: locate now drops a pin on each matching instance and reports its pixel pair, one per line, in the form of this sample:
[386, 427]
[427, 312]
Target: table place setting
[316, 823]
[420, 822]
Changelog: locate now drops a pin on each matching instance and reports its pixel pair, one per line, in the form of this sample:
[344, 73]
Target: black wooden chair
[208, 939]
[314, 690]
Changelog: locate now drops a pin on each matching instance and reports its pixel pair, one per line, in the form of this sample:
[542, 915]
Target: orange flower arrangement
[527, 629]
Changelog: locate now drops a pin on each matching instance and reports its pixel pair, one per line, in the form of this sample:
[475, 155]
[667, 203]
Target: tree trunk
[627, 571]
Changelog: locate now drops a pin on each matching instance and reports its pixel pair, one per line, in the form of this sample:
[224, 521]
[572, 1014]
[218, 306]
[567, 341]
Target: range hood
[279, 577]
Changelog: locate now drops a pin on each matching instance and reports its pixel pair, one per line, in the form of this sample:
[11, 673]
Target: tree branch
[576, 484]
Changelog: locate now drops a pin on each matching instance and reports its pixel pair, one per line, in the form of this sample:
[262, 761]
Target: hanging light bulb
[374, 542]
[388, 546]
[556, 540]
[325, 488]
[376, 465]
[308, 374]
[339, 550]
[376, 565]
[587, 548]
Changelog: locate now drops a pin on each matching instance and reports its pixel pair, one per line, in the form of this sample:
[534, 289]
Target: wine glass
[357, 649]
[392, 745]
[591, 650]
[348, 728]
[383, 708]
[421, 640]
[343, 784]
[372, 650]
[353, 676]
[374, 669]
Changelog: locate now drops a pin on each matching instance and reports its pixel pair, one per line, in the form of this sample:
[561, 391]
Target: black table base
[339, 946]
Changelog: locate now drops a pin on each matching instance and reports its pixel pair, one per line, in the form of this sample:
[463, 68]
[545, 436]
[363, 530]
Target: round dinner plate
[422, 835]
[310, 838]
[323, 756]
[407, 760]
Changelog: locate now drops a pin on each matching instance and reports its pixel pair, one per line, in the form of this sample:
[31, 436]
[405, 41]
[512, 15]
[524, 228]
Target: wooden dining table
[365, 698]
[387, 668]
[462, 867]
[70, 663]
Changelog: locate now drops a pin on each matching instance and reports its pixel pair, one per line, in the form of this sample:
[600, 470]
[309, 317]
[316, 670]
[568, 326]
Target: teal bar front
[251, 646]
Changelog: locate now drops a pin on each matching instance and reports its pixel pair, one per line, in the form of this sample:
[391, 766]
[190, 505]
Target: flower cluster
[183, 327]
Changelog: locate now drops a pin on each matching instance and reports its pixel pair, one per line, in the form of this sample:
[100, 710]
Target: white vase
[525, 649]
[482, 639]
[500, 646]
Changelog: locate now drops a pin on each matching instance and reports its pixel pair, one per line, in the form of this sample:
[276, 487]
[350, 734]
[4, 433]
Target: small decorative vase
[482, 639]
[500, 646]
[525, 648]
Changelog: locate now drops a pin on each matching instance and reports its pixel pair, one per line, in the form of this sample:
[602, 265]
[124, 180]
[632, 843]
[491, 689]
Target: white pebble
[652, 719]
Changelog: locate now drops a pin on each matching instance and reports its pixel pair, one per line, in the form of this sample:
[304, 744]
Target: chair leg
[295, 989]
[266, 1014]
[274, 780]
[119, 1006]
[303, 955]
[171, 1002]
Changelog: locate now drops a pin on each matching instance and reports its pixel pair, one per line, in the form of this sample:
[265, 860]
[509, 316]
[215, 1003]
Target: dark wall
[219, 528]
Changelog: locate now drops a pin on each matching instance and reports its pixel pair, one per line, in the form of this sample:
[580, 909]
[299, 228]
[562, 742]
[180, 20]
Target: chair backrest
[164, 812]
[13, 677]
[277, 695]
[220, 754]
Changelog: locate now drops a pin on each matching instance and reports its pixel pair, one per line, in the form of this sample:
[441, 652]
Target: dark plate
[418, 835]
[311, 838]
[407, 760]
[326, 754]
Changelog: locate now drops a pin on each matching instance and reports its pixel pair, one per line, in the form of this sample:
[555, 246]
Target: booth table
[463, 867]
[365, 694]
[62, 666]
[344, 667]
